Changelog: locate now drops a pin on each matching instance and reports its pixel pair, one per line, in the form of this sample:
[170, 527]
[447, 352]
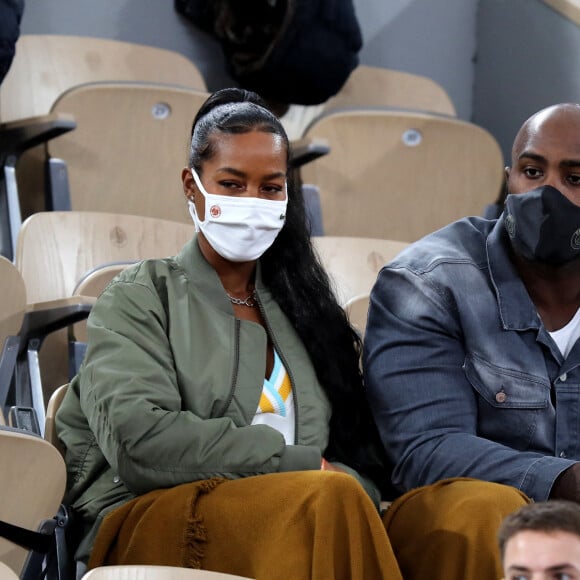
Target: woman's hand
[327, 466]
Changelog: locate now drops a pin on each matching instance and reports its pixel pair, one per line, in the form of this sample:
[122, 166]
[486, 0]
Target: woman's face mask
[543, 225]
[239, 229]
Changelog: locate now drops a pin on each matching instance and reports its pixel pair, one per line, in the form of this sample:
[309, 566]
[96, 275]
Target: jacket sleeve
[424, 405]
[130, 397]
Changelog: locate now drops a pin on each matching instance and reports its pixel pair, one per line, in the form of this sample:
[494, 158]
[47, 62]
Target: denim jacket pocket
[510, 403]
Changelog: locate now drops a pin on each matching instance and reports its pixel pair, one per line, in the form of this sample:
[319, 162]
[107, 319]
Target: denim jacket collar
[516, 309]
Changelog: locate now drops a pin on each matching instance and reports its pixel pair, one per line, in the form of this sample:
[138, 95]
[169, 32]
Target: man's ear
[507, 171]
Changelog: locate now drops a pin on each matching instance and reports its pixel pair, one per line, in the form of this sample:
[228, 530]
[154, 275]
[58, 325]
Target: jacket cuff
[300, 458]
[541, 475]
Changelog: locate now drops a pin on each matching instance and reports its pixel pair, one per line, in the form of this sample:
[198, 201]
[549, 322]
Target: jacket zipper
[284, 362]
[236, 367]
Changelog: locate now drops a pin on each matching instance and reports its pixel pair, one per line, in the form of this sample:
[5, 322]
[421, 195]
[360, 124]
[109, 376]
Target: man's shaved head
[546, 151]
[561, 115]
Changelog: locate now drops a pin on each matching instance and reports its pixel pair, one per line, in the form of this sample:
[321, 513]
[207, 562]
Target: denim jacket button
[500, 397]
[563, 377]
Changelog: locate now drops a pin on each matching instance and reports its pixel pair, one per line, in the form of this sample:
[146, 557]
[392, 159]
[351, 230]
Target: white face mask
[239, 229]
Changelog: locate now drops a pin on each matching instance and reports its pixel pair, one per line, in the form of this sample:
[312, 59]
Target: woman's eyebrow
[239, 173]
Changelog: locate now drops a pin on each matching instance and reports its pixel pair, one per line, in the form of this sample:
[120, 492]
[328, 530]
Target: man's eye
[574, 179]
[532, 172]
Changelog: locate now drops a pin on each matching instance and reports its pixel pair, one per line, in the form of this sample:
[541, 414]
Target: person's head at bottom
[541, 541]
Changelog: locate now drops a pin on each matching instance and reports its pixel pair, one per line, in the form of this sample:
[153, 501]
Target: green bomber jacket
[169, 387]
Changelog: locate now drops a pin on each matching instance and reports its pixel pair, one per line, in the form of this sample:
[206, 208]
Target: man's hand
[567, 484]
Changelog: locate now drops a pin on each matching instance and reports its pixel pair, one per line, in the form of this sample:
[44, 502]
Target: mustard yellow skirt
[298, 525]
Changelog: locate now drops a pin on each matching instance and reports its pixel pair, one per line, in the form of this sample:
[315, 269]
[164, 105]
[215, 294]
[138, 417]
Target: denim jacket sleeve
[424, 404]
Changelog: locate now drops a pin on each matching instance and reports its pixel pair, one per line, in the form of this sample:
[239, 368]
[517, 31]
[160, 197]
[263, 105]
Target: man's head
[546, 151]
[541, 541]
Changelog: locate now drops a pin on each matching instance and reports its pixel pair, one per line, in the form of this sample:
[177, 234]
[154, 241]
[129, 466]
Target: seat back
[13, 301]
[50, 426]
[354, 263]
[130, 145]
[12, 308]
[31, 487]
[401, 175]
[357, 309]
[53, 63]
[6, 573]
[56, 249]
[373, 86]
[144, 572]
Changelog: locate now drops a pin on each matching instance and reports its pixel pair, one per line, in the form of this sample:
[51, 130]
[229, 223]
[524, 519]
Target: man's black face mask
[543, 225]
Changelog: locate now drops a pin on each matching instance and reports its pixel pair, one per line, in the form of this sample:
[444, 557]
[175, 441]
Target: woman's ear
[189, 188]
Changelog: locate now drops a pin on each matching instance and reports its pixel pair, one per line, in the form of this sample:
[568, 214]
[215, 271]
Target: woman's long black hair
[301, 287]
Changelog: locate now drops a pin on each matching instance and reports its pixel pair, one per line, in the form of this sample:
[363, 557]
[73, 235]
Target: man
[472, 357]
[541, 541]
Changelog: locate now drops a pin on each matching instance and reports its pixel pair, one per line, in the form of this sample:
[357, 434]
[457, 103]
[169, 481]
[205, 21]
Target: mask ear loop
[198, 182]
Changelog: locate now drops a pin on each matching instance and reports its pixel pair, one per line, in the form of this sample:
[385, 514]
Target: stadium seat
[127, 153]
[52, 64]
[401, 175]
[154, 573]
[31, 490]
[353, 263]
[357, 309]
[56, 249]
[23, 327]
[373, 86]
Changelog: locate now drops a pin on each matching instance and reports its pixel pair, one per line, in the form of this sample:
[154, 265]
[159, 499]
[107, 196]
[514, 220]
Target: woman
[219, 419]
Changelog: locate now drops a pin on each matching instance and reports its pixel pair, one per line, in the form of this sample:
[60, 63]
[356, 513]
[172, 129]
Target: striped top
[276, 406]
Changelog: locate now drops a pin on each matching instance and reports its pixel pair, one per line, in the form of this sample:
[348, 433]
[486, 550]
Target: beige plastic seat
[129, 147]
[12, 305]
[31, 488]
[357, 309]
[50, 426]
[353, 263]
[53, 63]
[19, 323]
[6, 573]
[154, 573]
[56, 249]
[401, 175]
[44, 67]
[373, 86]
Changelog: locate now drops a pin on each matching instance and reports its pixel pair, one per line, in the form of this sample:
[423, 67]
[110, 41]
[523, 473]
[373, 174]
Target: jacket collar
[204, 278]
[516, 309]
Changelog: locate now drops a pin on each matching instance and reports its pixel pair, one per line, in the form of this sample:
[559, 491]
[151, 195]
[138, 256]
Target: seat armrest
[43, 318]
[303, 151]
[18, 136]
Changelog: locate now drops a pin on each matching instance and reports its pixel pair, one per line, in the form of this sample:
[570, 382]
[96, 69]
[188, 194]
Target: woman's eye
[574, 179]
[272, 189]
[229, 184]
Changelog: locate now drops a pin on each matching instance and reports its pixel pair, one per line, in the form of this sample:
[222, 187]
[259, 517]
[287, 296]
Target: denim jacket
[463, 378]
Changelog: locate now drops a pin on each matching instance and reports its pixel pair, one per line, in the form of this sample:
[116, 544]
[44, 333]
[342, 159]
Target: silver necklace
[249, 301]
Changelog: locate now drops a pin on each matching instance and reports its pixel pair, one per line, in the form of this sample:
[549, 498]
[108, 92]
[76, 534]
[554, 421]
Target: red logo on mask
[215, 211]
